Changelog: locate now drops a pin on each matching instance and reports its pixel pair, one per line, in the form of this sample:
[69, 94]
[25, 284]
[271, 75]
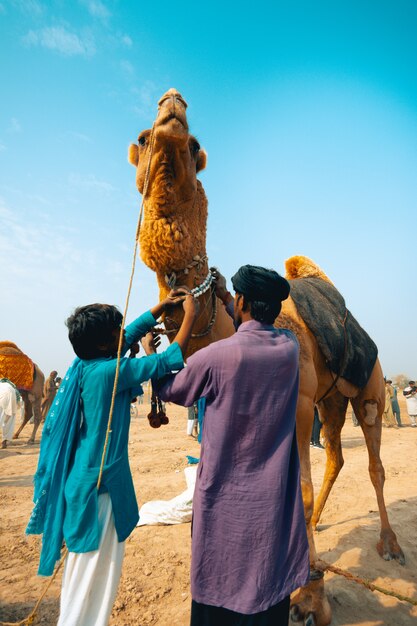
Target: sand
[155, 584]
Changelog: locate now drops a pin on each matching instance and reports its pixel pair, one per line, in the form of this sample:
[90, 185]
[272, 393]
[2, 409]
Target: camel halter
[199, 290]
[197, 261]
[203, 333]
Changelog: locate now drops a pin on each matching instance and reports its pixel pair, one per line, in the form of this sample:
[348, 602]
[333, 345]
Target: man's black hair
[265, 312]
[91, 326]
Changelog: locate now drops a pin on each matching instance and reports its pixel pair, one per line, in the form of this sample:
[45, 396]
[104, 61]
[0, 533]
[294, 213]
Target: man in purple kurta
[249, 542]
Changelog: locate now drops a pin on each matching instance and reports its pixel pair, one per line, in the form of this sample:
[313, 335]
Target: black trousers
[315, 435]
[206, 615]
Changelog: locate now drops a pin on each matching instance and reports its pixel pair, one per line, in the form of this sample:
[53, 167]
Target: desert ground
[154, 589]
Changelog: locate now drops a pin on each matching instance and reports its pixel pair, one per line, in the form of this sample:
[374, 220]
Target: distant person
[58, 381]
[49, 392]
[394, 402]
[195, 419]
[9, 400]
[315, 434]
[410, 394]
[388, 415]
[192, 420]
[354, 418]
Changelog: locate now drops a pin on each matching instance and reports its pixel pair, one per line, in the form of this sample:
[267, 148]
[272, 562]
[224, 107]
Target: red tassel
[154, 419]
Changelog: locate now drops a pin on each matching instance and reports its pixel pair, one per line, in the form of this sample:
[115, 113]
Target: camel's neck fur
[172, 233]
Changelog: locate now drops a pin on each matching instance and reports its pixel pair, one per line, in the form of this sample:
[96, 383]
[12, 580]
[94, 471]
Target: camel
[31, 392]
[173, 244]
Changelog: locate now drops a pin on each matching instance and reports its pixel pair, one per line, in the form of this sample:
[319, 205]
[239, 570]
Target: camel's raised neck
[173, 240]
[173, 233]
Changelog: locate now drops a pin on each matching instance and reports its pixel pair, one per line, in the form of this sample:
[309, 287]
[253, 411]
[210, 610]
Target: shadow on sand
[353, 442]
[18, 481]
[354, 604]
[15, 611]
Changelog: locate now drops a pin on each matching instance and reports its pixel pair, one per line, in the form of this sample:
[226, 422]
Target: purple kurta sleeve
[230, 309]
[193, 382]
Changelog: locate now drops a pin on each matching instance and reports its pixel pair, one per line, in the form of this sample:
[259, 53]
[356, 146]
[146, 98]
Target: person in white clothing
[8, 407]
[410, 394]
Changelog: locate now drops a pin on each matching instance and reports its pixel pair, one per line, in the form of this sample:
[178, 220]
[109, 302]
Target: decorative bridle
[171, 280]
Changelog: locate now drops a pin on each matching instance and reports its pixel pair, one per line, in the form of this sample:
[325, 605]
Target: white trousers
[90, 579]
[7, 423]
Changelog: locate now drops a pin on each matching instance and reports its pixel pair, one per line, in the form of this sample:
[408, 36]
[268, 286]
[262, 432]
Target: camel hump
[8, 347]
[302, 267]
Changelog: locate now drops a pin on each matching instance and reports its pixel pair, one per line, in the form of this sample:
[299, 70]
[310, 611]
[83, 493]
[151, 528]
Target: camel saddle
[347, 348]
[16, 366]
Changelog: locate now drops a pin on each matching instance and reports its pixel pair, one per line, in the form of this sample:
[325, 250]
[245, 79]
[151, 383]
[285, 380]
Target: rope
[132, 273]
[30, 619]
[364, 582]
[32, 616]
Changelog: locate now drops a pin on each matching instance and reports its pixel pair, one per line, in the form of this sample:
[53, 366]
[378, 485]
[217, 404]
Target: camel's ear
[201, 160]
[133, 154]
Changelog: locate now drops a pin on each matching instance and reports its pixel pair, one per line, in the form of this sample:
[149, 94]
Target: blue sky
[308, 112]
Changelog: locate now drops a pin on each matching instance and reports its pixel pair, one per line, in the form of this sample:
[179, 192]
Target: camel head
[175, 205]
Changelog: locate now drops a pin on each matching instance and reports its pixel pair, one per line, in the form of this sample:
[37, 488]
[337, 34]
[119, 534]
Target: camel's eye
[195, 147]
[142, 140]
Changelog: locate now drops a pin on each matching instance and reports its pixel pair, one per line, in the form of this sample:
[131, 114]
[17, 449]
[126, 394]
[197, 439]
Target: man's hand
[191, 306]
[220, 286]
[175, 297]
[134, 350]
[151, 341]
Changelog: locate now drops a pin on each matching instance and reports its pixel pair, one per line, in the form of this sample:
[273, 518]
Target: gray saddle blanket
[351, 355]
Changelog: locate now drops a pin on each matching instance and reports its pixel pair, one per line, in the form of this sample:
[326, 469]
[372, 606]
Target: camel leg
[309, 604]
[332, 413]
[368, 407]
[26, 416]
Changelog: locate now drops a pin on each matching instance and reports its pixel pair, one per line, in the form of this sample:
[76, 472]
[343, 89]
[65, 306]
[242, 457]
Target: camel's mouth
[172, 127]
[168, 117]
[172, 116]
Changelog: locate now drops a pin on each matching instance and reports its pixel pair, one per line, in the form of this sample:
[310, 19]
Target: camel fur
[172, 236]
[32, 396]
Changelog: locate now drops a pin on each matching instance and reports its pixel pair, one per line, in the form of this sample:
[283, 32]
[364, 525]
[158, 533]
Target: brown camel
[173, 244]
[31, 393]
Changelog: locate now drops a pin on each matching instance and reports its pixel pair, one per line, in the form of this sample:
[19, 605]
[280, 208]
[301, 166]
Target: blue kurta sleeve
[133, 372]
[138, 329]
[193, 382]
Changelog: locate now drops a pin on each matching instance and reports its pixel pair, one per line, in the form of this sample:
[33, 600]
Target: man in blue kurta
[95, 523]
[249, 542]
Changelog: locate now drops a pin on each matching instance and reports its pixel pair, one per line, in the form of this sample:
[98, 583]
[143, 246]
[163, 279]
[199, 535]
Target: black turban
[260, 284]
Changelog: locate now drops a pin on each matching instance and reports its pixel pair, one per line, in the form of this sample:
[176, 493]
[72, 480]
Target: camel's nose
[172, 116]
[174, 97]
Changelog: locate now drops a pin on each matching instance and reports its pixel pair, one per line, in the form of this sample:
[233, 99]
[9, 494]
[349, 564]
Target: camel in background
[29, 380]
[173, 244]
